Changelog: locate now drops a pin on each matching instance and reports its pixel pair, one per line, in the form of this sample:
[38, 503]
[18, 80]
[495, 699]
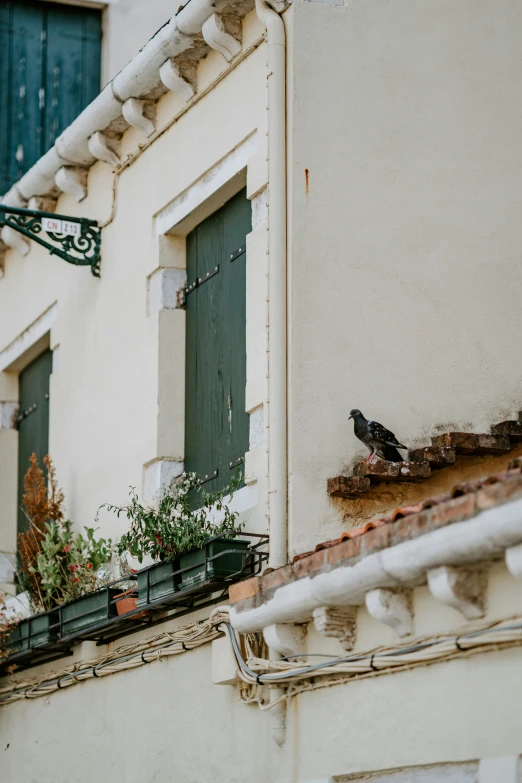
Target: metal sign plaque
[64, 227]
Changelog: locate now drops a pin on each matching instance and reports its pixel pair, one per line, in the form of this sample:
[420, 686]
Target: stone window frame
[243, 166]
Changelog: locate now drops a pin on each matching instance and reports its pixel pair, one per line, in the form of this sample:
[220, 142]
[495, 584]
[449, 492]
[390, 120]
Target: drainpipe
[277, 415]
[277, 316]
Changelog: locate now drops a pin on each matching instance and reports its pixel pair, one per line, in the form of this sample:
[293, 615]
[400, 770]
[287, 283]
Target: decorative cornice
[442, 558]
[95, 133]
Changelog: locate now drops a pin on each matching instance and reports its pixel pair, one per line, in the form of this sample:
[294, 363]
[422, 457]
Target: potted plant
[173, 529]
[127, 599]
[35, 631]
[57, 566]
[216, 558]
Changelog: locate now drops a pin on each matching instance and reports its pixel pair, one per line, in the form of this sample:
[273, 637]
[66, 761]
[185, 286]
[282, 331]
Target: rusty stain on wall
[307, 179]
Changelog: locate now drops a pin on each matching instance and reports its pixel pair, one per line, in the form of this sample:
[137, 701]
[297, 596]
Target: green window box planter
[88, 610]
[36, 631]
[223, 566]
[162, 582]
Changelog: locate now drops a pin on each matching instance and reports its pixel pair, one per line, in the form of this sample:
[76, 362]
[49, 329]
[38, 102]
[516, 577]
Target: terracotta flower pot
[127, 602]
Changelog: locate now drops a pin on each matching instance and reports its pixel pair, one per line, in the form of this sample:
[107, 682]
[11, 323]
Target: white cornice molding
[140, 79]
[484, 538]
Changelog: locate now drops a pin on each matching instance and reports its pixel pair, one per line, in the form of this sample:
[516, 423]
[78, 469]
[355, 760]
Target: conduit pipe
[277, 310]
[277, 317]
[483, 538]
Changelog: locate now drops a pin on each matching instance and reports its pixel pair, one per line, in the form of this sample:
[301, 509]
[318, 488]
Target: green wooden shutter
[49, 71]
[216, 424]
[33, 427]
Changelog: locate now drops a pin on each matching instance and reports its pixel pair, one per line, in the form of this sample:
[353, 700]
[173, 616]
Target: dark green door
[33, 424]
[216, 424]
[50, 57]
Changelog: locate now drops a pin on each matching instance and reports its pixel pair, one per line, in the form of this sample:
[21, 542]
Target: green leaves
[173, 527]
[67, 564]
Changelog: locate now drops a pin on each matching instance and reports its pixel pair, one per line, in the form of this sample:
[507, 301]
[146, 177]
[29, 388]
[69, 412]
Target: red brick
[309, 564]
[436, 456]
[241, 591]
[453, 510]
[377, 539]
[277, 578]
[510, 429]
[397, 472]
[489, 496]
[379, 470]
[347, 486]
[344, 551]
[512, 487]
[411, 526]
[462, 442]
[493, 444]
[414, 471]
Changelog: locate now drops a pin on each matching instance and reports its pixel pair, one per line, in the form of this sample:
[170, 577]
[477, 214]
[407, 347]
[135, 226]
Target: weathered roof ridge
[467, 501]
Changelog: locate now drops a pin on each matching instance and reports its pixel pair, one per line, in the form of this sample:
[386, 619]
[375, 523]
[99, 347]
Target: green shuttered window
[33, 425]
[49, 71]
[216, 425]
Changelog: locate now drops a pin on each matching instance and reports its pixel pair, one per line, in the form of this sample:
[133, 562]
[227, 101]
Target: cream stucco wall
[117, 363]
[402, 253]
[404, 269]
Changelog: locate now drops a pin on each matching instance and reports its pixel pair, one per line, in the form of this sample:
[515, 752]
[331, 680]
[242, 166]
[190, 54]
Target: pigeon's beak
[350, 417]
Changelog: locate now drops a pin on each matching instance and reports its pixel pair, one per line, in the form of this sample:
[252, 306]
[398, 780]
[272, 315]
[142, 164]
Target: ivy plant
[172, 526]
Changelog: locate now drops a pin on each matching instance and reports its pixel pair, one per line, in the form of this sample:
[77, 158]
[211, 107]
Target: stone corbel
[180, 76]
[140, 114]
[42, 203]
[223, 32]
[459, 588]
[391, 608]
[338, 622]
[72, 180]
[514, 560]
[104, 149]
[286, 639]
[14, 240]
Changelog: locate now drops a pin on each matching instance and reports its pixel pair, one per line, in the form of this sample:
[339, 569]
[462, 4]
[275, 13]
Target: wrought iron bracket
[77, 240]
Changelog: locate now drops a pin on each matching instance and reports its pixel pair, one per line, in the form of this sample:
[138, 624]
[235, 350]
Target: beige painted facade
[404, 260]
[404, 197]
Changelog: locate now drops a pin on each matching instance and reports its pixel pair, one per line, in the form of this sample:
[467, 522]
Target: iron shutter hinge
[200, 280]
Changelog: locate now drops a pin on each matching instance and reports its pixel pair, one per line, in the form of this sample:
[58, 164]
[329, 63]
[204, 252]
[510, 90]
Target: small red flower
[67, 548]
[134, 570]
[89, 565]
[73, 567]
[76, 580]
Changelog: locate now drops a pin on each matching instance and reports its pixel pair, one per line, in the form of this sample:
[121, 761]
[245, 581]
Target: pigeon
[377, 438]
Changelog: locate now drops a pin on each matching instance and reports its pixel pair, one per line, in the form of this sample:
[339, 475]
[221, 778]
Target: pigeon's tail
[391, 454]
